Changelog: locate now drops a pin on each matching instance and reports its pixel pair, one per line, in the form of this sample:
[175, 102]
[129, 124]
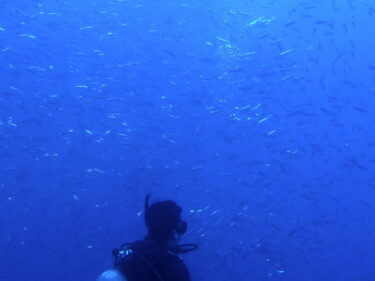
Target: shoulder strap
[126, 252]
[150, 266]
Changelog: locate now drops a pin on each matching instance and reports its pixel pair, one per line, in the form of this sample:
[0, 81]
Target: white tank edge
[111, 275]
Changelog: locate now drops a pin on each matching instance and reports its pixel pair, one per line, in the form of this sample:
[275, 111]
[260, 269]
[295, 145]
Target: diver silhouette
[155, 258]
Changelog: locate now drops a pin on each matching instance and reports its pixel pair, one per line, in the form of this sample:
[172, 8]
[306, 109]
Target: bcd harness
[127, 253]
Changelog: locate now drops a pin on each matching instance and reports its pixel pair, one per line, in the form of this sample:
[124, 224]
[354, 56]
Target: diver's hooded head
[163, 220]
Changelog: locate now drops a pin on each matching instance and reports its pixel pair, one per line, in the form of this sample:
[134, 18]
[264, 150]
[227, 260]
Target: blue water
[257, 117]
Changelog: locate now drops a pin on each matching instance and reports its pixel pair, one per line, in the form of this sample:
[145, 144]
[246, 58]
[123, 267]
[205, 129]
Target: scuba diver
[155, 258]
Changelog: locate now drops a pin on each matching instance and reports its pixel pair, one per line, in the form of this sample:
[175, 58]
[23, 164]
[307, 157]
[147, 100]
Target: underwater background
[257, 117]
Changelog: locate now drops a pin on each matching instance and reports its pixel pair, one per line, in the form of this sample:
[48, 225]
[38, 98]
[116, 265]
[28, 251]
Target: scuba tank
[111, 275]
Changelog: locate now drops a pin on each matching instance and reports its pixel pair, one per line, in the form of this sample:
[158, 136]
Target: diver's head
[163, 221]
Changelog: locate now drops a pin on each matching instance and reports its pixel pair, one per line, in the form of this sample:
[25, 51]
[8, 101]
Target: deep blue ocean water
[257, 117]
